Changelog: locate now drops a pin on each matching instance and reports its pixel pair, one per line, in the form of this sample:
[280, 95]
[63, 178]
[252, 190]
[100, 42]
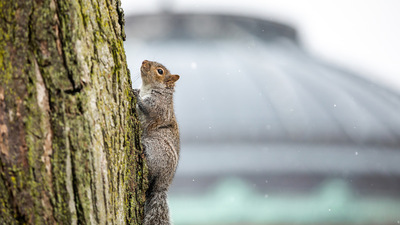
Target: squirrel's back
[160, 137]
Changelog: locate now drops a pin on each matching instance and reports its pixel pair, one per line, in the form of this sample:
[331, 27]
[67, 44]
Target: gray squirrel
[160, 137]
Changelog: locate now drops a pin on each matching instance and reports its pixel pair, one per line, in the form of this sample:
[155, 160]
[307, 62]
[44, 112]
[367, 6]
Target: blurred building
[270, 135]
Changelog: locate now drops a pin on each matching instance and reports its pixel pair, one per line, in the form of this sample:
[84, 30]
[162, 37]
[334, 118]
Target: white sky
[360, 35]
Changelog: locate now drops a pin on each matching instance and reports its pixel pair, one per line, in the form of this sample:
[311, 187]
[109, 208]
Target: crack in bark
[82, 13]
[105, 188]
[121, 19]
[93, 183]
[111, 19]
[71, 189]
[73, 91]
[3, 127]
[75, 87]
[80, 213]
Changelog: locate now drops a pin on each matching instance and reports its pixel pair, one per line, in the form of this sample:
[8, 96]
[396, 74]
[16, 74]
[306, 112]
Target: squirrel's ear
[174, 78]
[171, 80]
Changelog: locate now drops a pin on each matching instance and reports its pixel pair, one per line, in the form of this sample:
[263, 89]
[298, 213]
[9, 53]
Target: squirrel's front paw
[136, 92]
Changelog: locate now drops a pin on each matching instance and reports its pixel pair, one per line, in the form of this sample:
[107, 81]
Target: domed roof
[248, 80]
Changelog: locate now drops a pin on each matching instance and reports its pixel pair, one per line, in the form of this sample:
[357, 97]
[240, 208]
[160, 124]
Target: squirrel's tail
[156, 210]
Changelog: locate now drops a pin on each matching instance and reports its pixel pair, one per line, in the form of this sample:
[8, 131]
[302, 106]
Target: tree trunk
[69, 136]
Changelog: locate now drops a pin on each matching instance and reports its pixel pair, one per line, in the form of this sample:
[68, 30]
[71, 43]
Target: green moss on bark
[71, 150]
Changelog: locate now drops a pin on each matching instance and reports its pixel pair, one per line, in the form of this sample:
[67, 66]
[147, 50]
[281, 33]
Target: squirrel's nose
[145, 62]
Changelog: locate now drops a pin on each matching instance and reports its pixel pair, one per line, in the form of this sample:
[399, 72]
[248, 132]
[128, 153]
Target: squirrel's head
[156, 75]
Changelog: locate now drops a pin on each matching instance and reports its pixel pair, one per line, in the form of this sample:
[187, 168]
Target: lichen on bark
[70, 141]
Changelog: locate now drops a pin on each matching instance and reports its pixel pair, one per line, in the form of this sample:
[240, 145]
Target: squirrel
[160, 137]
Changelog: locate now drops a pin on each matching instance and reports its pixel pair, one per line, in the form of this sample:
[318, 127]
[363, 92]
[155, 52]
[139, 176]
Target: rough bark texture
[69, 136]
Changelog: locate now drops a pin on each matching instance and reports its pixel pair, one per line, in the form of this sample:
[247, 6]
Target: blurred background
[288, 110]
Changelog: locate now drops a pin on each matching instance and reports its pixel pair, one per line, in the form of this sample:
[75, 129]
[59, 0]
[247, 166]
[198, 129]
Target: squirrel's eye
[160, 71]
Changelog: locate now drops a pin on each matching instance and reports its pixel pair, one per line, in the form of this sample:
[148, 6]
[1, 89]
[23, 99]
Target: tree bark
[70, 149]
